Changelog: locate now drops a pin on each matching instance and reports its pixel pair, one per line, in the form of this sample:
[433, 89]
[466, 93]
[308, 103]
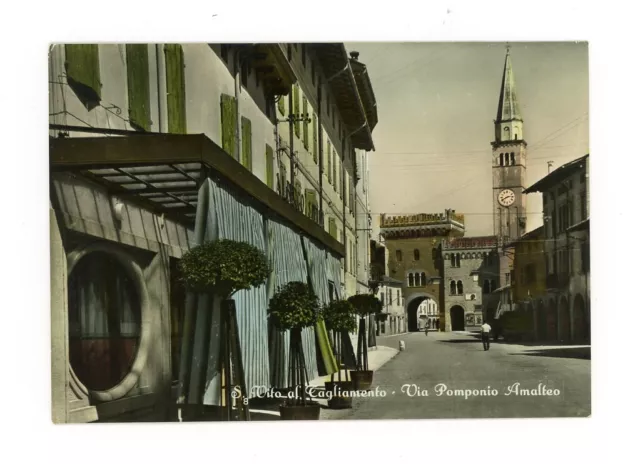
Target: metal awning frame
[134, 166]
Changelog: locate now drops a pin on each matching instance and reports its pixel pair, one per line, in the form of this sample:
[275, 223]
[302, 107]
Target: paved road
[457, 361]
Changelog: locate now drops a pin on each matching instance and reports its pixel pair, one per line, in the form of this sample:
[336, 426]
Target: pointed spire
[508, 108]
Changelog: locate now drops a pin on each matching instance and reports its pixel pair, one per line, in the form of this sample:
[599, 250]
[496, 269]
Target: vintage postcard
[319, 231]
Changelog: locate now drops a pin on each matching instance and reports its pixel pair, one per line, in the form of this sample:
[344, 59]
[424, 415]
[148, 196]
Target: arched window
[460, 288]
[457, 259]
[398, 255]
[423, 279]
[411, 280]
[515, 136]
[513, 159]
[398, 296]
[501, 159]
[416, 255]
[452, 287]
[493, 285]
[485, 286]
[453, 260]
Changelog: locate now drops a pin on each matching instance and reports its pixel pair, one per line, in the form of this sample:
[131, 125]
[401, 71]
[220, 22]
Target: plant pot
[341, 399]
[362, 380]
[300, 412]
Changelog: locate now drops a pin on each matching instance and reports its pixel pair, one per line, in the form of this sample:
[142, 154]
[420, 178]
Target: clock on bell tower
[509, 162]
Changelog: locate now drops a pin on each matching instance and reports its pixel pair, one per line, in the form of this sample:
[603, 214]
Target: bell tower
[509, 161]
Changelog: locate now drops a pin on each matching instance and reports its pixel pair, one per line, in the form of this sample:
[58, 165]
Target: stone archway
[564, 320]
[581, 328]
[411, 308]
[457, 318]
[541, 316]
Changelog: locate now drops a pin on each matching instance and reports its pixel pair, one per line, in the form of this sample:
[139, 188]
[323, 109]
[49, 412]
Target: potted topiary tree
[339, 316]
[221, 268]
[364, 304]
[294, 307]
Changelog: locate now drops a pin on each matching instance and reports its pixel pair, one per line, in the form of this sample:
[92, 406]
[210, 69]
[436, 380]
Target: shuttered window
[270, 162]
[333, 229]
[315, 138]
[176, 100]
[335, 169]
[246, 159]
[311, 204]
[82, 65]
[296, 109]
[228, 112]
[138, 86]
[305, 127]
[329, 169]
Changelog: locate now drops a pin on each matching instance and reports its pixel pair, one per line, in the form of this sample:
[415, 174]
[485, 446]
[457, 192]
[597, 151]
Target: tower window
[416, 255]
[513, 159]
[398, 255]
[411, 280]
[457, 259]
[460, 288]
[423, 279]
[501, 159]
[452, 287]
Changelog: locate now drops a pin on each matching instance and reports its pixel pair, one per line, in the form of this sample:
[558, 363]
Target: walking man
[486, 330]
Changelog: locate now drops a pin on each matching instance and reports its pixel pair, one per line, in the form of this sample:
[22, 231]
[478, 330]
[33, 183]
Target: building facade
[392, 320]
[471, 267]
[563, 314]
[415, 257]
[155, 148]
[428, 315]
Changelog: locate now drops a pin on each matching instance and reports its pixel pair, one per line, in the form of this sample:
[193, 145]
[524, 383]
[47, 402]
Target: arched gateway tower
[414, 250]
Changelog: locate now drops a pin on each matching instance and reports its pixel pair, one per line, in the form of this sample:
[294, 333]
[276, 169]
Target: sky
[436, 105]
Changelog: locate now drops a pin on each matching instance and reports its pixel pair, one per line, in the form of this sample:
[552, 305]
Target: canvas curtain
[224, 215]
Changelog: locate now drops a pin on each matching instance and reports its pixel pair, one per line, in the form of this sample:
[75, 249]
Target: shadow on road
[580, 352]
[461, 340]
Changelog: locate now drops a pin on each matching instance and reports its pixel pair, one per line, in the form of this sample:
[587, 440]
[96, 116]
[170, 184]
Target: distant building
[392, 320]
[428, 315]
[471, 266]
[415, 257]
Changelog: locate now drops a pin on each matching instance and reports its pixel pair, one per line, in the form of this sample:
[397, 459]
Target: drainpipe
[239, 63]
[320, 154]
[292, 117]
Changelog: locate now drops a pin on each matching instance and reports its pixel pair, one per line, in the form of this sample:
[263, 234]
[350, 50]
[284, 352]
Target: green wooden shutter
[228, 112]
[296, 109]
[138, 85]
[176, 100]
[333, 230]
[269, 154]
[305, 127]
[246, 143]
[281, 105]
[315, 138]
[82, 64]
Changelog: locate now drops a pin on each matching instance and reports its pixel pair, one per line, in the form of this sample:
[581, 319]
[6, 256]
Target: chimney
[354, 55]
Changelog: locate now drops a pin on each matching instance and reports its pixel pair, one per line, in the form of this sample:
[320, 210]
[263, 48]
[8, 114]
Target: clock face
[506, 197]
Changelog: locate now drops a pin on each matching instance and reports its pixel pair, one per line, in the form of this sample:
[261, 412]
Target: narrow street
[458, 361]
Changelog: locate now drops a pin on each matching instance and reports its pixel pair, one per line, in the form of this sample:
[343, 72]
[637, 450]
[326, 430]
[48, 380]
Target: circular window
[104, 321]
